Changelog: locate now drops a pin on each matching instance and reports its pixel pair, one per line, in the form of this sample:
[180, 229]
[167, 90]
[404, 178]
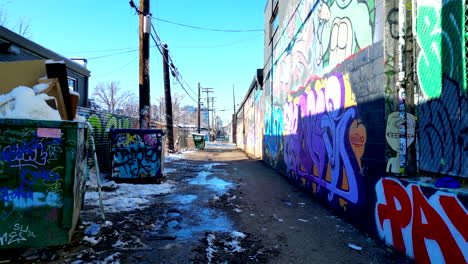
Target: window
[72, 84]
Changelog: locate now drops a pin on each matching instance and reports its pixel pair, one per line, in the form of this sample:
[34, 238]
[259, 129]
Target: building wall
[331, 123]
[102, 121]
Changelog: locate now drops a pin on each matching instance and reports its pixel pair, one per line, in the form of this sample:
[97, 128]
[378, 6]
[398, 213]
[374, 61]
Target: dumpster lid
[43, 123]
[136, 131]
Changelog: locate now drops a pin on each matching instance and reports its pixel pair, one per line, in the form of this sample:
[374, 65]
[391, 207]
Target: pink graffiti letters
[430, 230]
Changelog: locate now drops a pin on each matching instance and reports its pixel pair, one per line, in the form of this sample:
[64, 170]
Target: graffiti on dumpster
[430, 230]
[31, 158]
[19, 234]
[136, 155]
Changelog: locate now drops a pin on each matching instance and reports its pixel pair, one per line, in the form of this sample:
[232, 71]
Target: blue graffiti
[33, 151]
[7, 195]
[135, 161]
[30, 177]
[273, 132]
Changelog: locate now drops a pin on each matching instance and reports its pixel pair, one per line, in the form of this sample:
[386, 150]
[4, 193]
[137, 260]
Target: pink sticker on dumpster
[49, 132]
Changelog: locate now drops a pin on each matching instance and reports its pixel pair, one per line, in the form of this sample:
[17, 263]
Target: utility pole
[207, 91]
[167, 95]
[199, 88]
[144, 87]
[213, 116]
[234, 98]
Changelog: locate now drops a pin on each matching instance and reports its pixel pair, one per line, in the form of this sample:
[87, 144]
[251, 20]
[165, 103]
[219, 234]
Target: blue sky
[89, 29]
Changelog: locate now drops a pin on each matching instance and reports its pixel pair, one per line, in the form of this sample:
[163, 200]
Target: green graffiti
[95, 123]
[111, 123]
[342, 28]
[439, 34]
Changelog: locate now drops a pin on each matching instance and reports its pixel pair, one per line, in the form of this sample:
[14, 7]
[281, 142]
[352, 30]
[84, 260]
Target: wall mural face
[429, 228]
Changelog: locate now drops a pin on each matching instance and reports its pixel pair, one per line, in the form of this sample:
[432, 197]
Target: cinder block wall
[330, 105]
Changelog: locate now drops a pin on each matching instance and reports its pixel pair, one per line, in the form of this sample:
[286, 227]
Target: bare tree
[130, 107]
[160, 109]
[110, 95]
[22, 27]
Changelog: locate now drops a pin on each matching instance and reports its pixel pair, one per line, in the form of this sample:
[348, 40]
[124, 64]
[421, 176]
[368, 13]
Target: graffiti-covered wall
[102, 121]
[441, 75]
[342, 97]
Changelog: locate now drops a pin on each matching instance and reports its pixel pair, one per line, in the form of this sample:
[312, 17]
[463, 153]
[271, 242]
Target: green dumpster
[42, 177]
[199, 141]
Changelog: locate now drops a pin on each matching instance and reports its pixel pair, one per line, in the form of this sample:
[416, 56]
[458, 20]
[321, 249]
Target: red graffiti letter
[433, 228]
[456, 214]
[398, 218]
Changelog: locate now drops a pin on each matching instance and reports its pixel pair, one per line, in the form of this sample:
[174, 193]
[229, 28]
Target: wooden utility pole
[167, 93]
[144, 87]
[199, 88]
[234, 98]
[207, 91]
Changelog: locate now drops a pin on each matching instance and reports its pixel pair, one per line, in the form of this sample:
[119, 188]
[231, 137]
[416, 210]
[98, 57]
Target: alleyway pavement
[213, 206]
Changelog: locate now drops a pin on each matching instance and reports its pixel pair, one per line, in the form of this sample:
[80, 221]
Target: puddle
[203, 220]
[181, 199]
[214, 183]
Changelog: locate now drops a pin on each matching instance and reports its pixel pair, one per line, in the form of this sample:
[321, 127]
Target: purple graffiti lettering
[317, 145]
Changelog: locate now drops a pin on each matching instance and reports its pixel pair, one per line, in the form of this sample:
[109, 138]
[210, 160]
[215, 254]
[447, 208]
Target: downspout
[401, 84]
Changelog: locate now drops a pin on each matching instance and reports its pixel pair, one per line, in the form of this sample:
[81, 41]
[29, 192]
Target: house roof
[26, 44]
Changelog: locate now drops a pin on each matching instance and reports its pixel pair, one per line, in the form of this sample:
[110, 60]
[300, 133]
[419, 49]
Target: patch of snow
[210, 250]
[172, 157]
[112, 259]
[39, 88]
[169, 170]
[237, 210]
[120, 244]
[128, 197]
[73, 92]
[237, 234]
[53, 61]
[79, 118]
[355, 247]
[277, 219]
[92, 240]
[235, 247]
[28, 105]
[303, 220]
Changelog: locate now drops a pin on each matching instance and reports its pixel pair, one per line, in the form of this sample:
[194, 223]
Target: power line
[113, 54]
[158, 45]
[100, 50]
[209, 29]
[120, 68]
[220, 45]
